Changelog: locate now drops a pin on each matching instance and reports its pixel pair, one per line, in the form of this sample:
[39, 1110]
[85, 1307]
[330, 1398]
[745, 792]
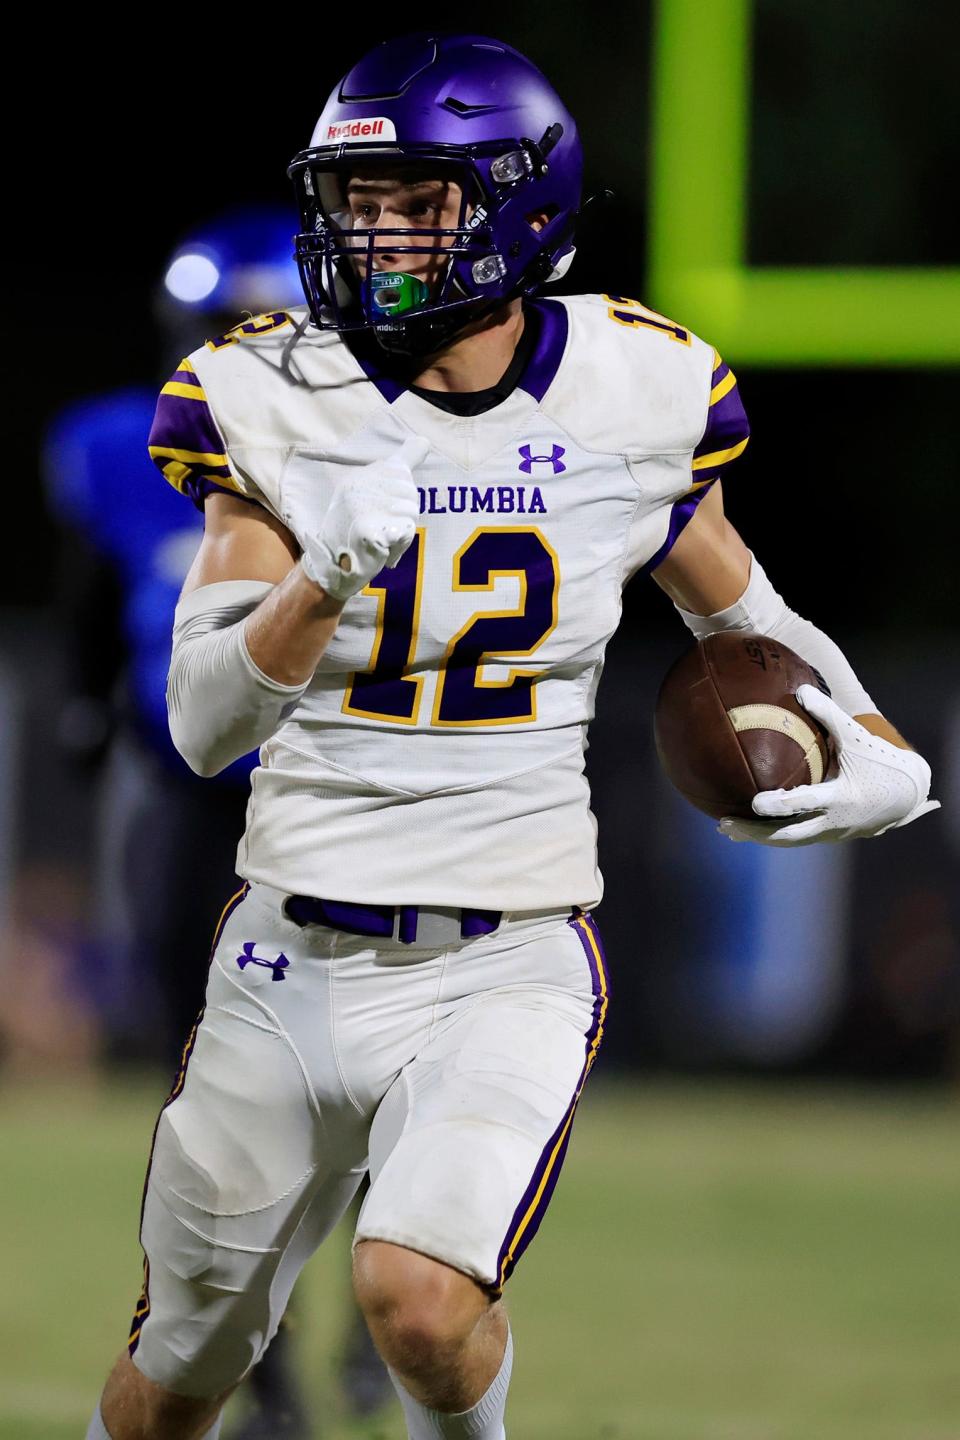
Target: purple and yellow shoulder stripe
[185, 441]
[727, 430]
[724, 438]
[255, 325]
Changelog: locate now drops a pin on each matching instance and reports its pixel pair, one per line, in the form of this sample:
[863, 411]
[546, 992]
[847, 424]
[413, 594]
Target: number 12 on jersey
[386, 692]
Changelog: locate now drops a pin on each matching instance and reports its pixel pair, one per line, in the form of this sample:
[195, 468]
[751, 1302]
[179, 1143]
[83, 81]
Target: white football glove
[371, 520]
[880, 787]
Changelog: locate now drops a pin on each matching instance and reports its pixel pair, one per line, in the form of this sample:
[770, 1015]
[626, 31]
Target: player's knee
[419, 1310]
[133, 1404]
[171, 1415]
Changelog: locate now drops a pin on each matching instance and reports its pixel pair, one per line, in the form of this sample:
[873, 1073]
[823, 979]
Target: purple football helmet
[459, 107]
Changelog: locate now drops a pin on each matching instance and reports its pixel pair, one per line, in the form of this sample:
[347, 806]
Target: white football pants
[453, 1074]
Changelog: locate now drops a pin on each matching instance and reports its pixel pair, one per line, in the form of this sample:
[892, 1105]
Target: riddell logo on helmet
[377, 128]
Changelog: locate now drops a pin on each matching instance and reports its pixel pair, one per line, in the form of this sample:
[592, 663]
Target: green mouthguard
[395, 294]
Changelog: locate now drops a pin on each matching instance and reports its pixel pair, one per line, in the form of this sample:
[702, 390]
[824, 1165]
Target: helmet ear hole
[539, 219]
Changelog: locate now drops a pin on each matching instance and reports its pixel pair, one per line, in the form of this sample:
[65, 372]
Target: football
[728, 723]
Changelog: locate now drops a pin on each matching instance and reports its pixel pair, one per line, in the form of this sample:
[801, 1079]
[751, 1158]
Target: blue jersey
[100, 482]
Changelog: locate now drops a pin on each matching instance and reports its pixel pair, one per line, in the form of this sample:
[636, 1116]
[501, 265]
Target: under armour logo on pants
[277, 966]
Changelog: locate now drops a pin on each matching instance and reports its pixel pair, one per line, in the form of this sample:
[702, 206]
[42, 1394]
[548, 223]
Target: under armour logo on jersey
[277, 966]
[528, 461]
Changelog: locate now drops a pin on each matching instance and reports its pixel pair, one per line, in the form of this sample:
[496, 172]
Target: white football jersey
[437, 756]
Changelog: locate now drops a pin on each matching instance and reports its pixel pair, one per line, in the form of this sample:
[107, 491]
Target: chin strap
[423, 334]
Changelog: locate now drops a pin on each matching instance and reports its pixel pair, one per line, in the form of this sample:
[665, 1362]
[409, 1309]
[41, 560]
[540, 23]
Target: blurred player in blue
[127, 551]
[166, 842]
[424, 491]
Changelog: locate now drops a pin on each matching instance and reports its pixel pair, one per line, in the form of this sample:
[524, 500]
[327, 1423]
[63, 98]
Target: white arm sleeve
[763, 611]
[220, 705]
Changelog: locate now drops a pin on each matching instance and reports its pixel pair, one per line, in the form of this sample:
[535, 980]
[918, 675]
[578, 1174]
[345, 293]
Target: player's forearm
[825, 655]
[761, 610]
[717, 584]
[291, 628]
[221, 701]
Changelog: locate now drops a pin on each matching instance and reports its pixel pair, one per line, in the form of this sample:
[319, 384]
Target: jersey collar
[549, 317]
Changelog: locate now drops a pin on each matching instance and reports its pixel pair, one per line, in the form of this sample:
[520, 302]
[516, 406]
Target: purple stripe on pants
[143, 1303]
[533, 1204]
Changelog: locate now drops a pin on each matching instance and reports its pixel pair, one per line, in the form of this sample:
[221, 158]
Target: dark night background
[755, 1232]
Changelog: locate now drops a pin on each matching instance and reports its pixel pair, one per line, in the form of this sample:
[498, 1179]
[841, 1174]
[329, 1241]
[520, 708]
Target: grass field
[722, 1262]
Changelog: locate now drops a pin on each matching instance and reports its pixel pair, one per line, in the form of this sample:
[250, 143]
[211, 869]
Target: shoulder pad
[632, 381]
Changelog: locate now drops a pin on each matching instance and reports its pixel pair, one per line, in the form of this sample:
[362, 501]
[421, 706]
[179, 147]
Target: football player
[424, 493]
